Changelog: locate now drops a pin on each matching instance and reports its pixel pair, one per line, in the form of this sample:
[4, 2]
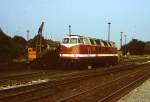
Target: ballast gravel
[140, 94]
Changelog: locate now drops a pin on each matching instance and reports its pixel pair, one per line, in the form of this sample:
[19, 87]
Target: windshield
[66, 40]
[70, 40]
[73, 40]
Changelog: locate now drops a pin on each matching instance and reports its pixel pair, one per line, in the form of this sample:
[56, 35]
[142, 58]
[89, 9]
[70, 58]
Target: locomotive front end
[70, 49]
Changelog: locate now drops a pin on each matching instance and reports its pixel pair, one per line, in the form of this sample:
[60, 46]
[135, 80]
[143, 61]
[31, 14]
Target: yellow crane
[32, 55]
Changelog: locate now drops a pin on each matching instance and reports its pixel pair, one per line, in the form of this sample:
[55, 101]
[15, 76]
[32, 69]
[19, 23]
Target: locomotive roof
[78, 36]
[73, 36]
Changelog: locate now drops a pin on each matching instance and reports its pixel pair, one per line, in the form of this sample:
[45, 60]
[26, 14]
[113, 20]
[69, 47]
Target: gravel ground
[140, 94]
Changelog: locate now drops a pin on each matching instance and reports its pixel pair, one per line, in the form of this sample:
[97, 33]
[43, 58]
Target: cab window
[66, 40]
[73, 40]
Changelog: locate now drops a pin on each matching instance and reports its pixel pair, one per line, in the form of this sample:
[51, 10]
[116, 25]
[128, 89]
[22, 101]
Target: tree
[20, 40]
[19, 46]
[5, 46]
[11, 47]
[147, 47]
[135, 47]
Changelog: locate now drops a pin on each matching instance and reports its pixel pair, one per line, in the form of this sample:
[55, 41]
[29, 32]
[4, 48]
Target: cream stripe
[86, 55]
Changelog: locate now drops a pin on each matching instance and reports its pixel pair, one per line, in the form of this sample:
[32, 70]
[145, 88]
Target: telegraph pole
[125, 50]
[28, 35]
[121, 41]
[69, 29]
[109, 31]
[28, 38]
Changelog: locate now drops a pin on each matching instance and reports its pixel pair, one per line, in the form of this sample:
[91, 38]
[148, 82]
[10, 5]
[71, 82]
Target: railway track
[109, 90]
[29, 78]
[53, 72]
[51, 88]
[20, 78]
[117, 92]
[43, 74]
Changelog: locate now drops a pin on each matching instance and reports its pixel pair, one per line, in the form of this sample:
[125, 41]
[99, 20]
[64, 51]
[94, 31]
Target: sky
[86, 17]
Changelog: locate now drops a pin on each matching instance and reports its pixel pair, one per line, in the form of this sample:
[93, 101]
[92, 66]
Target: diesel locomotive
[81, 50]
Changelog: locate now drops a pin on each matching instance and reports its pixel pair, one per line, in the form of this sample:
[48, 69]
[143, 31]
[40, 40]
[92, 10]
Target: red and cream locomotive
[76, 49]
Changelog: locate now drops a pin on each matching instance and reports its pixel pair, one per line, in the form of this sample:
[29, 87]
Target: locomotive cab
[69, 48]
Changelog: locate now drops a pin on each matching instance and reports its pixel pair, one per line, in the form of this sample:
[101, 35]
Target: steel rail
[108, 71]
[36, 74]
[58, 82]
[123, 88]
[90, 90]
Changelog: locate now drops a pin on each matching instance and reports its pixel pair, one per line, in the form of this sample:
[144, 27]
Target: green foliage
[147, 47]
[5, 46]
[16, 47]
[136, 47]
[19, 46]
[11, 47]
